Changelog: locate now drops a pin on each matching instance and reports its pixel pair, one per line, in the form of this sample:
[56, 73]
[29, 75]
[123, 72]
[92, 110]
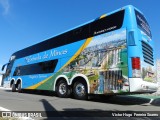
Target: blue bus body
[112, 54]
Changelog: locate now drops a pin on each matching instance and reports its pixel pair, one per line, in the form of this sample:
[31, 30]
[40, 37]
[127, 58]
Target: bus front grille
[147, 53]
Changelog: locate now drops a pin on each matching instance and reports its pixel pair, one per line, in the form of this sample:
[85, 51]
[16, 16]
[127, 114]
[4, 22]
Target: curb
[153, 100]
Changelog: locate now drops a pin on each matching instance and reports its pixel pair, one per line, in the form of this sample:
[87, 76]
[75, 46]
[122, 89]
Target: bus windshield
[143, 24]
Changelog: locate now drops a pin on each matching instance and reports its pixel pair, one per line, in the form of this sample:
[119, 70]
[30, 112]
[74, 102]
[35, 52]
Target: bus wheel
[13, 87]
[62, 89]
[19, 88]
[80, 90]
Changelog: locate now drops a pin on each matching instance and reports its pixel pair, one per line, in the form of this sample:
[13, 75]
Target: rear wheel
[80, 90]
[62, 89]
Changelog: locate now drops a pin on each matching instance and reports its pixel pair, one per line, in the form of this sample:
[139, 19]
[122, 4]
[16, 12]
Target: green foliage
[148, 79]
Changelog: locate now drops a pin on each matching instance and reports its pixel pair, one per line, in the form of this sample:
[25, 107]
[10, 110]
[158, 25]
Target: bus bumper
[139, 85]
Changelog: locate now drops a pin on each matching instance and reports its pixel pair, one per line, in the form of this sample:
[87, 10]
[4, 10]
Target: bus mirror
[4, 66]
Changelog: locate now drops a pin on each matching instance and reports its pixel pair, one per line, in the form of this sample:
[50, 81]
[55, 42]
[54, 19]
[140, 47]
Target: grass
[150, 96]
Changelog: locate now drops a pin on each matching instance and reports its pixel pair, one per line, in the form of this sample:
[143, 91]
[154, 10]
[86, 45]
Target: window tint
[108, 23]
[37, 68]
[60, 40]
[142, 23]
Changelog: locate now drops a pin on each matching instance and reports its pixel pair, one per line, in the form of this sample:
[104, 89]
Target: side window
[108, 23]
[37, 68]
[142, 23]
[17, 71]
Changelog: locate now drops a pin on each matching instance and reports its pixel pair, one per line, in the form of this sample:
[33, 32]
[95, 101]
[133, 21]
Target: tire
[80, 90]
[13, 87]
[19, 88]
[62, 89]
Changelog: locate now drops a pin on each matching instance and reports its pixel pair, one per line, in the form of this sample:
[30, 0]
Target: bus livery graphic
[113, 54]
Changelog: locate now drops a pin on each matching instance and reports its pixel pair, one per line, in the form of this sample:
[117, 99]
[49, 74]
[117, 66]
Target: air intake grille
[147, 53]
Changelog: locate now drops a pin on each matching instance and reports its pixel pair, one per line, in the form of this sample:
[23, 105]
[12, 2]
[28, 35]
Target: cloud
[5, 5]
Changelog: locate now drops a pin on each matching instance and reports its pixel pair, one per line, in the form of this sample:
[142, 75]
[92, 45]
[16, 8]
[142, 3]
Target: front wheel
[62, 89]
[80, 90]
[19, 88]
[13, 87]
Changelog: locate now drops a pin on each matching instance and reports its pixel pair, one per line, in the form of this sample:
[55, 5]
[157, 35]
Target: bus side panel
[108, 69]
[45, 81]
[102, 59]
[104, 62]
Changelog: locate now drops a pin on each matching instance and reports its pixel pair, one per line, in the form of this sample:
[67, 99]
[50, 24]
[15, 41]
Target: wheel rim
[80, 89]
[62, 88]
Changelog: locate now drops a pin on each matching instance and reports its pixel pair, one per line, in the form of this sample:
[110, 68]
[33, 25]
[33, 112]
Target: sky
[26, 22]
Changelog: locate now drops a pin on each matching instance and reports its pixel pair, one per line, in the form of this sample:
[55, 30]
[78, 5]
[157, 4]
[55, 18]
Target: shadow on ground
[92, 114]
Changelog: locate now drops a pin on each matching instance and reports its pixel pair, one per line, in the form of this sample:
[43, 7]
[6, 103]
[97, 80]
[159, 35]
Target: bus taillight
[136, 66]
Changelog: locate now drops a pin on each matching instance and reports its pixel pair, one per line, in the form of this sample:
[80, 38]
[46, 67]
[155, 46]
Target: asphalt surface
[118, 107]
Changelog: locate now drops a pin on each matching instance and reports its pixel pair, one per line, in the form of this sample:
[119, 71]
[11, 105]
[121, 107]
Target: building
[158, 70]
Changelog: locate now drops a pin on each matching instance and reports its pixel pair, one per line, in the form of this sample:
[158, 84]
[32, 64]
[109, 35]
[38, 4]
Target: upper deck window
[108, 23]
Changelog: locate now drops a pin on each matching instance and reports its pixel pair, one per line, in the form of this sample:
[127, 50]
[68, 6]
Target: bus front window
[8, 67]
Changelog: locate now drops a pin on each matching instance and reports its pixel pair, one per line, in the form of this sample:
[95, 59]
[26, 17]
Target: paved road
[48, 102]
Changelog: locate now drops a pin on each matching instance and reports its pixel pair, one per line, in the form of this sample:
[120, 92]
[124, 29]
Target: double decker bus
[112, 54]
